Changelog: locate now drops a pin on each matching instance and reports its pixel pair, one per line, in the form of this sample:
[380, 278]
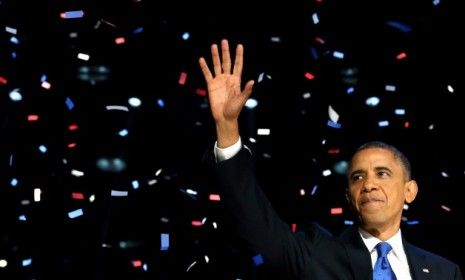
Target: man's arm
[254, 218]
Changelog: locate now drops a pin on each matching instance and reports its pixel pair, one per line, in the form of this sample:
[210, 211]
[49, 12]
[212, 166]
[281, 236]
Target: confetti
[72, 14]
[76, 213]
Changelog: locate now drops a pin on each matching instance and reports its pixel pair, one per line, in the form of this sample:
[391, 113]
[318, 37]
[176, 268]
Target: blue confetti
[165, 241]
[69, 103]
[258, 260]
[334, 124]
[400, 26]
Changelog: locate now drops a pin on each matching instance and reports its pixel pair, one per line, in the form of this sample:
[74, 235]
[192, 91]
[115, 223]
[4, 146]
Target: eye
[383, 174]
[356, 177]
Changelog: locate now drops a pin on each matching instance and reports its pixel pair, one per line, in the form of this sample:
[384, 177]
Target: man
[379, 185]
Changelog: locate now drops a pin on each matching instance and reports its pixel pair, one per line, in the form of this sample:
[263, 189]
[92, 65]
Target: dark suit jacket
[311, 253]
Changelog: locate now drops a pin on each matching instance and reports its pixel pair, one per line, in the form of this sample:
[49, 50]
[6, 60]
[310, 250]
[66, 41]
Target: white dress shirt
[396, 257]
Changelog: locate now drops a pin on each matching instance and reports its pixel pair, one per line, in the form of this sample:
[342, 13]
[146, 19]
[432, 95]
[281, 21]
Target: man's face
[378, 188]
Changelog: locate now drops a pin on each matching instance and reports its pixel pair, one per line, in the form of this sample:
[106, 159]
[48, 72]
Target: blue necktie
[382, 269]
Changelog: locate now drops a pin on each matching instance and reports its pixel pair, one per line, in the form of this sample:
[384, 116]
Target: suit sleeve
[254, 218]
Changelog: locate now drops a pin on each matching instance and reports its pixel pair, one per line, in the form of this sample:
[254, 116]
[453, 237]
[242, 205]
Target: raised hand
[224, 91]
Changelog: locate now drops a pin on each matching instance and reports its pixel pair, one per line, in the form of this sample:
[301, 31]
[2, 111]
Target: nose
[369, 185]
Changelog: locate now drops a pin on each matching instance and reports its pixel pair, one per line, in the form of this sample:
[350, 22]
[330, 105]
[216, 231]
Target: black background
[173, 138]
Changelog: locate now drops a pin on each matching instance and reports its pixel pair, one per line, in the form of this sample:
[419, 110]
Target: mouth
[368, 201]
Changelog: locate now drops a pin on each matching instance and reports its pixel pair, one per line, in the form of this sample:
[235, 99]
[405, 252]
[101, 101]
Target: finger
[248, 89]
[216, 60]
[238, 61]
[225, 56]
[205, 70]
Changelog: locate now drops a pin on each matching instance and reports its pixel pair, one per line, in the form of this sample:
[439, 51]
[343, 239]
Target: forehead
[374, 157]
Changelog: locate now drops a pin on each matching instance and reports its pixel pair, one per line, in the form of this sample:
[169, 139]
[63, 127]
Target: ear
[411, 190]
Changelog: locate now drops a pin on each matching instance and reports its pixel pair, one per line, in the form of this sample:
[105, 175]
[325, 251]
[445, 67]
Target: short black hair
[397, 153]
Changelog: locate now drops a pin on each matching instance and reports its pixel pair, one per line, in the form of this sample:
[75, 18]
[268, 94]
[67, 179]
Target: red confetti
[402, 55]
[76, 195]
[336, 211]
[182, 78]
[309, 76]
[201, 92]
[33, 118]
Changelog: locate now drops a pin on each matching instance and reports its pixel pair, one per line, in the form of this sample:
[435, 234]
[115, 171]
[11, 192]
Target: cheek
[352, 196]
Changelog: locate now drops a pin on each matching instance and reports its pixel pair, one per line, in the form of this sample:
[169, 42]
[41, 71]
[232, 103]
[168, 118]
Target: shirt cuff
[228, 152]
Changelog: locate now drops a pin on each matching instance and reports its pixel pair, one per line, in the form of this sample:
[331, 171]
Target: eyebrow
[362, 171]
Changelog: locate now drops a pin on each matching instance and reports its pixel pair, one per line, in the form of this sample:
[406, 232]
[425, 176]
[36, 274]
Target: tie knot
[383, 249]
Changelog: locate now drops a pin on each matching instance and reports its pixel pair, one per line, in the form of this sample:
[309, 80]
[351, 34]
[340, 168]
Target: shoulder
[419, 254]
[427, 254]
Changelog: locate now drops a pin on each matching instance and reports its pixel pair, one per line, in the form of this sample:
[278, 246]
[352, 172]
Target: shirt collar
[370, 241]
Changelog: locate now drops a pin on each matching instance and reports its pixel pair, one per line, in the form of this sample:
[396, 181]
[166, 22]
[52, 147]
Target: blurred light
[263, 131]
[315, 18]
[339, 55]
[3, 263]
[135, 184]
[134, 102]
[160, 103]
[251, 103]
[123, 132]
[26, 262]
[372, 101]
[15, 95]
[83, 56]
[275, 39]
[46, 85]
[258, 260]
[93, 74]
[37, 193]
[450, 89]
[383, 123]
[390, 88]
[326, 172]
[341, 167]
[333, 115]
[14, 40]
[43, 149]
[11, 30]
[14, 182]
[138, 30]
[120, 40]
[399, 112]
[111, 164]
[186, 36]
[77, 173]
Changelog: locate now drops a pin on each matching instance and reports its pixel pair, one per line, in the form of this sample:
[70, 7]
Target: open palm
[224, 87]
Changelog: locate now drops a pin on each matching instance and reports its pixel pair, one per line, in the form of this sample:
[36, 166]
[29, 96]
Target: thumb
[248, 89]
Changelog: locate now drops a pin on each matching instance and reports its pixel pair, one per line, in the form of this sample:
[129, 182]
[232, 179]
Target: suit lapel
[358, 254]
[419, 268]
